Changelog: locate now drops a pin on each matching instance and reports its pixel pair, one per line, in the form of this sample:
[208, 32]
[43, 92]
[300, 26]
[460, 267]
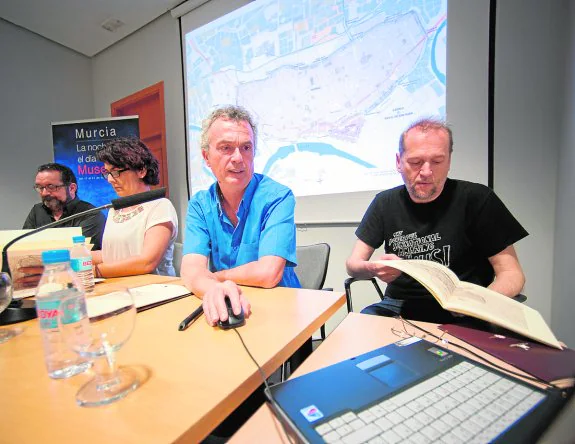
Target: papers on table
[21, 294]
[145, 297]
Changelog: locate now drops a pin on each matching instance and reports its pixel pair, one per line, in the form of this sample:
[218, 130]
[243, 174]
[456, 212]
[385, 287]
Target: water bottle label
[73, 310]
[48, 313]
[48, 308]
[81, 264]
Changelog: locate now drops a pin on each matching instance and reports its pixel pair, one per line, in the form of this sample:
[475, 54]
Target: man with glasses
[57, 186]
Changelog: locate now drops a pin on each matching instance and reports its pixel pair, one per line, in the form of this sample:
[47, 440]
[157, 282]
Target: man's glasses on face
[50, 188]
[114, 173]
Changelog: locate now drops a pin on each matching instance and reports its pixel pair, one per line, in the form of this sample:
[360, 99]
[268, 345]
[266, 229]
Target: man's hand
[204, 284]
[215, 307]
[386, 274]
[359, 266]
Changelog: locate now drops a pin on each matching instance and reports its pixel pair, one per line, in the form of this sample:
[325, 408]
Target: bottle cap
[78, 239]
[55, 256]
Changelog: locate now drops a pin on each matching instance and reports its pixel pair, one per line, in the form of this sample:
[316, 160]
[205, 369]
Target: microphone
[136, 199]
[23, 310]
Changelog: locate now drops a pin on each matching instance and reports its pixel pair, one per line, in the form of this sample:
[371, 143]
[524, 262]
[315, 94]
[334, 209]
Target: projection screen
[332, 84]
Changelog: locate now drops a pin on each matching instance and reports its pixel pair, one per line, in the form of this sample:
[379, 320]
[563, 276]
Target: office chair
[347, 285]
[178, 247]
[311, 270]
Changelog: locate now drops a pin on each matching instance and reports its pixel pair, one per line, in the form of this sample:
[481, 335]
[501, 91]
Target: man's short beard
[422, 196]
[53, 204]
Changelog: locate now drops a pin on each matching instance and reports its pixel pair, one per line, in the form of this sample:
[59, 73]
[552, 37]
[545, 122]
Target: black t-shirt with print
[460, 229]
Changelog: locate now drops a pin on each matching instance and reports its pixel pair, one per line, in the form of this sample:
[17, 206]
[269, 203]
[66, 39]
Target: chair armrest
[347, 285]
[520, 298]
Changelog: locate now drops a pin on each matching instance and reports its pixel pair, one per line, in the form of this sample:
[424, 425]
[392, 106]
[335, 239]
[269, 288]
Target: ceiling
[77, 24]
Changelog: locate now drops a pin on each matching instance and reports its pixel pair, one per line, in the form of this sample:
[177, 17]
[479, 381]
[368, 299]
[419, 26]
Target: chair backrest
[178, 247]
[312, 261]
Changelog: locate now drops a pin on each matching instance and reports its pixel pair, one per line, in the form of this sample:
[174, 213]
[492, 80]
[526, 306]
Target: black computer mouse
[234, 321]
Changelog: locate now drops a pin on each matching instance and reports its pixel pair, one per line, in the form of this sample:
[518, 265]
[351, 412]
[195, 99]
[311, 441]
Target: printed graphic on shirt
[411, 246]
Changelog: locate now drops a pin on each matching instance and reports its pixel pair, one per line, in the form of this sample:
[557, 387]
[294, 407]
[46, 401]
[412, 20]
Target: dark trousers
[426, 310]
[300, 355]
[237, 418]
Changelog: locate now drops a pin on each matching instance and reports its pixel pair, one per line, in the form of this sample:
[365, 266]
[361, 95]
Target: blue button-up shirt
[265, 227]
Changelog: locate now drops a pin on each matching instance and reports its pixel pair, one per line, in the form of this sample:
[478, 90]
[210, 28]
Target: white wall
[146, 57]
[40, 82]
[563, 304]
[529, 55]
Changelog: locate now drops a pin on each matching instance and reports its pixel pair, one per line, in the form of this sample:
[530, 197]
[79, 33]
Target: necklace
[120, 218]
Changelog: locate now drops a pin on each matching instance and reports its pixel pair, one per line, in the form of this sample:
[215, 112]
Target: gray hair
[424, 125]
[228, 112]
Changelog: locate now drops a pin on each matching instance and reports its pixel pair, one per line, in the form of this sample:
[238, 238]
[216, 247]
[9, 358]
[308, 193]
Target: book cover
[548, 364]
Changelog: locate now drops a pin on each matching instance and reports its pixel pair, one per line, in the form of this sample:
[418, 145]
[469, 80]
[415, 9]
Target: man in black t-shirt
[57, 186]
[462, 225]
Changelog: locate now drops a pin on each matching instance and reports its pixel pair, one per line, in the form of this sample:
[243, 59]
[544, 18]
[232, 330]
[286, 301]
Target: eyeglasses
[114, 173]
[51, 188]
[424, 335]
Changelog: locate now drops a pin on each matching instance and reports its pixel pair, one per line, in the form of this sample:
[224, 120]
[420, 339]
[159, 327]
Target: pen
[191, 318]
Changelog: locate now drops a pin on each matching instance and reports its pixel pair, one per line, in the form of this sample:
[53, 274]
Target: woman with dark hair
[138, 239]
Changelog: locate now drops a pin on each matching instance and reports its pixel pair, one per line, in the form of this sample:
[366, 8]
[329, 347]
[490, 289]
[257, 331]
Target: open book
[476, 301]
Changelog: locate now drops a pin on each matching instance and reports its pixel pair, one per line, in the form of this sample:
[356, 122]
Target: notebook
[412, 391]
[145, 297]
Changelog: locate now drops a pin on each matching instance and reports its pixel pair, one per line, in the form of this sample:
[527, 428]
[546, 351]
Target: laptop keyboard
[464, 403]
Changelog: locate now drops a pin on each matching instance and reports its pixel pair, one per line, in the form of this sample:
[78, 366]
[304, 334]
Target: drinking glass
[6, 333]
[96, 328]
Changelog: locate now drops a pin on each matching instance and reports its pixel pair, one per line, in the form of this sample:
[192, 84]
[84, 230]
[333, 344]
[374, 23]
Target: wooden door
[148, 104]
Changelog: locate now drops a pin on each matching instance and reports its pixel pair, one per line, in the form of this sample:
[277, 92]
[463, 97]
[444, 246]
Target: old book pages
[476, 301]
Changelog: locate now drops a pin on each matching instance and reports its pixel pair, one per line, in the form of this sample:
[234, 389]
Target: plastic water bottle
[57, 282]
[81, 261]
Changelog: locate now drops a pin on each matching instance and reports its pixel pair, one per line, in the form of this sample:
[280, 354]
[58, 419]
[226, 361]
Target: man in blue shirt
[243, 225]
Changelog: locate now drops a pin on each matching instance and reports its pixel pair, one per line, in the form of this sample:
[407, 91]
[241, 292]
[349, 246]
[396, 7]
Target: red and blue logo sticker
[311, 413]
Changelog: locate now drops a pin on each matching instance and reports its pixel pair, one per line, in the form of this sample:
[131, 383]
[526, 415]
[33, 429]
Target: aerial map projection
[331, 84]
